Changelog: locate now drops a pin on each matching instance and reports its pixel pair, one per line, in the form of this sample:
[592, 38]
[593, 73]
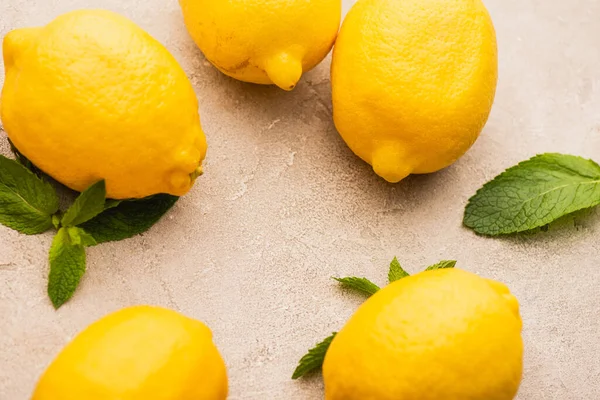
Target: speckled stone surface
[284, 205]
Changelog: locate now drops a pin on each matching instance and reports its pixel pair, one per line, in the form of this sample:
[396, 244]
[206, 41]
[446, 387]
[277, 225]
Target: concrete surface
[284, 205]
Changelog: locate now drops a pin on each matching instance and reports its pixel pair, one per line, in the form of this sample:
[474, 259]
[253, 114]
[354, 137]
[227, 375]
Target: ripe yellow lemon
[263, 41]
[413, 82]
[138, 353]
[438, 335]
[92, 96]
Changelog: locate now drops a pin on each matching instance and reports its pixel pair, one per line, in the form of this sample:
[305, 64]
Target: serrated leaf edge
[313, 355]
[344, 282]
[516, 166]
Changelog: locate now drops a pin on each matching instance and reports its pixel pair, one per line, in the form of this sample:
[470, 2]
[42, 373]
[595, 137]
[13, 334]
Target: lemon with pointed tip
[413, 82]
[92, 96]
[263, 41]
[138, 353]
[438, 335]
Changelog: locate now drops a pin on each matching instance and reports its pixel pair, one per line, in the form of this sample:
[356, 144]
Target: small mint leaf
[89, 204]
[129, 218]
[313, 360]
[80, 237]
[27, 203]
[67, 266]
[111, 203]
[362, 285]
[534, 193]
[87, 240]
[56, 220]
[441, 265]
[396, 271]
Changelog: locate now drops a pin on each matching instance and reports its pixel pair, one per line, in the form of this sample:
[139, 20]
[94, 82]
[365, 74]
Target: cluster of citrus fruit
[92, 96]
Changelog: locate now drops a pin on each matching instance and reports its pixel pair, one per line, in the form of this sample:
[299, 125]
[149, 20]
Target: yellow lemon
[438, 335]
[413, 82]
[263, 41]
[138, 353]
[92, 96]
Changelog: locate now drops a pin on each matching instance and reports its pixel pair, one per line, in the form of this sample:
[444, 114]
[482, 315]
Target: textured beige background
[284, 205]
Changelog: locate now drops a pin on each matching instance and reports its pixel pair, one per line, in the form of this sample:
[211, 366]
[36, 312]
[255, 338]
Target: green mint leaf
[67, 266]
[534, 193]
[396, 271]
[313, 360]
[56, 220]
[89, 204]
[362, 285]
[441, 265]
[129, 218]
[111, 203]
[27, 203]
[80, 237]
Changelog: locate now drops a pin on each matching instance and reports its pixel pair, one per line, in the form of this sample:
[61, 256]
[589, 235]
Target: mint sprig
[533, 194]
[67, 254]
[29, 204]
[313, 360]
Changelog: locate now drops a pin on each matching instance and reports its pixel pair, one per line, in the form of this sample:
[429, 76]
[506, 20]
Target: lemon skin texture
[263, 41]
[413, 82]
[138, 353]
[92, 96]
[438, 335]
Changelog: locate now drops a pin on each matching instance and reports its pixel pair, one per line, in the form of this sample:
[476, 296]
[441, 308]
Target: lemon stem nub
[16, 41]
[284, 70]
[197, 172]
